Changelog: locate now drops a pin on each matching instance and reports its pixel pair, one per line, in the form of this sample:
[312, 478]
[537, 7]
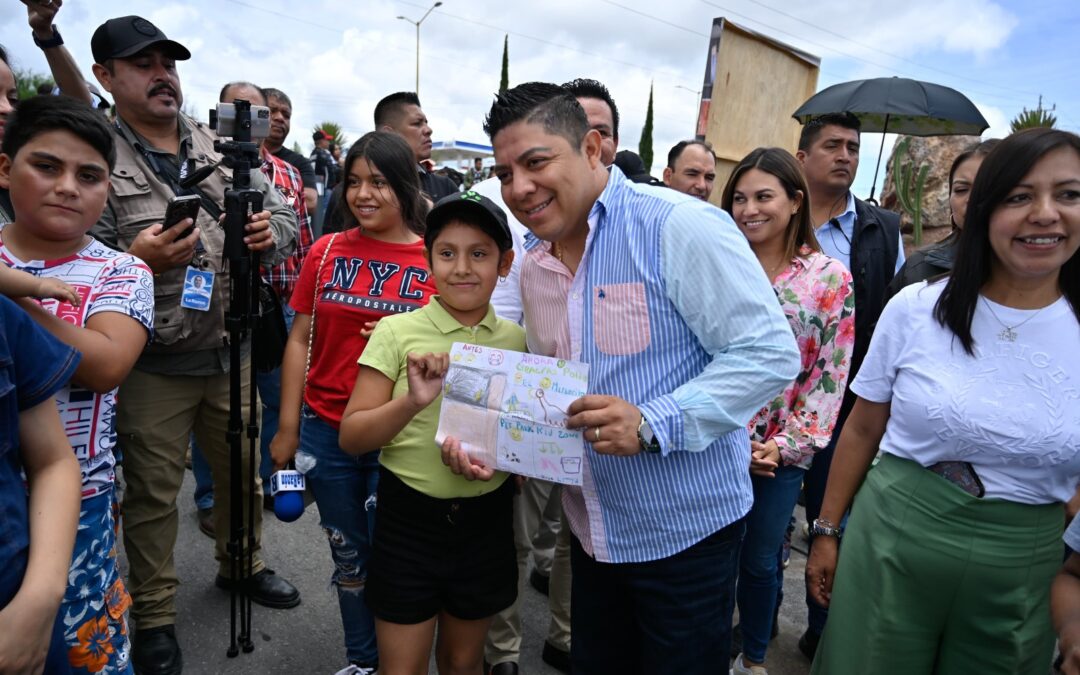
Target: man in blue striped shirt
[685, 341]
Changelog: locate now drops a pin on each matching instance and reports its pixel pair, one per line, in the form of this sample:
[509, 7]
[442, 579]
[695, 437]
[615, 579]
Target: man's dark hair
[812, 129]
[583, 87]
[678, 148]
[270, 92]
[392, 156]
[42, 114]
[390, 107]
[45, 88]
[1002, 170]
[246, 85]
[542, 103]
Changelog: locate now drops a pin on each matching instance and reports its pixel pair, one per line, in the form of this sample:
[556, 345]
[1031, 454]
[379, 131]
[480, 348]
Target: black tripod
[241, 155]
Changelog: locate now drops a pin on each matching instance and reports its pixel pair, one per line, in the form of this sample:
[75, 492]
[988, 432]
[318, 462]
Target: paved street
[308, 639]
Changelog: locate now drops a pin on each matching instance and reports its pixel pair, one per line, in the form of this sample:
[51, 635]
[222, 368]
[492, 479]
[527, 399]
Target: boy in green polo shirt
[443, 549]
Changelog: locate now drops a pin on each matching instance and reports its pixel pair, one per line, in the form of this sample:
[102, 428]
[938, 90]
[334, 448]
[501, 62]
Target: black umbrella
[899, 105]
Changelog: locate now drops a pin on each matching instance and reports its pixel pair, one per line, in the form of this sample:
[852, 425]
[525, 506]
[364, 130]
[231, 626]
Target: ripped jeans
[344, 489]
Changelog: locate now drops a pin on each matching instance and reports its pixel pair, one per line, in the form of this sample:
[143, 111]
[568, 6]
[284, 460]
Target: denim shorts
[435, 555]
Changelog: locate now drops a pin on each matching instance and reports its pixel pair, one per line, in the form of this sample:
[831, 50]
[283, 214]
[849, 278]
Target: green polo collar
[448, 324]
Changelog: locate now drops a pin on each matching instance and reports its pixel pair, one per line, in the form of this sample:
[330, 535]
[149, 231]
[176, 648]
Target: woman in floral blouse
[767, 197]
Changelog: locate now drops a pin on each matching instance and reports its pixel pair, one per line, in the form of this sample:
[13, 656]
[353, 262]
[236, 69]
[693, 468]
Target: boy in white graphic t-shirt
[56, 157]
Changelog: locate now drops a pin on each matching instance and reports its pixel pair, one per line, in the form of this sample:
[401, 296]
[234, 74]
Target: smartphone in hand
[180, 208]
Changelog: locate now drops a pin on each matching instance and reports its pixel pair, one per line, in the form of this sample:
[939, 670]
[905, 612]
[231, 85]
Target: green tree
[645, 144]
[504, 79]
[334, 129]
[296, 148]
[29, 81]
[1030, 119]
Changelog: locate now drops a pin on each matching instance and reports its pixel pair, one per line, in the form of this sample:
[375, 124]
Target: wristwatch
[54, 41]
[646, 438]
[824, 527]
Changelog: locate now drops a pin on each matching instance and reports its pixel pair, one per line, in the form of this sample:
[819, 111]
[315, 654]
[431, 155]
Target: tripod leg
[254, 306]
[236, 522]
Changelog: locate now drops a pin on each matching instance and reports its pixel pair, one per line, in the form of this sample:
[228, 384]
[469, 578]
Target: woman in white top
[971, 391]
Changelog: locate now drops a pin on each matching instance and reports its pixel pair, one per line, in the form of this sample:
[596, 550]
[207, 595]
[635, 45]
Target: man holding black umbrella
[867, 240]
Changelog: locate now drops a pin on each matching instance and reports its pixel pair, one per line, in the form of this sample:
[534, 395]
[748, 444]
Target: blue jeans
[774, 499]
[269, 386]
[344, 488]
[204, 482]
[663, 616]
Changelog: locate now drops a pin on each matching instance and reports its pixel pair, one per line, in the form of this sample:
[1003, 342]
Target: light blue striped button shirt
[679, 319]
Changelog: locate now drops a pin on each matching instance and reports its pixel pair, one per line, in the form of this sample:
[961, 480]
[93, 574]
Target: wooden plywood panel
[756, 84]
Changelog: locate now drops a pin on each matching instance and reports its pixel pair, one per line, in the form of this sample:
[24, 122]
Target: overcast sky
[337, 58]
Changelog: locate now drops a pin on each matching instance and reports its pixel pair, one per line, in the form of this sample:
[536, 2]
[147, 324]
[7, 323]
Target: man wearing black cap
[180, 384]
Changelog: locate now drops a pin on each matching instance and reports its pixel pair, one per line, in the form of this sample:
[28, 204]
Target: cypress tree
[504, 81]
[645, 144]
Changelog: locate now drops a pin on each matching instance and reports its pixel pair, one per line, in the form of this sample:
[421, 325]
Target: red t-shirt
[362, 280]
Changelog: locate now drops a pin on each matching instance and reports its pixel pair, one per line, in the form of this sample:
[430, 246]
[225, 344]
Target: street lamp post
[417, 24]
[696, 92]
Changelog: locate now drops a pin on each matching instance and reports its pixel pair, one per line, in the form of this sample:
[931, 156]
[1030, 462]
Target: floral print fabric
[96, 602]
[815, 292]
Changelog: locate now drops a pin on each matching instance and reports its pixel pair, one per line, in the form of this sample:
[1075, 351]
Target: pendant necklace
[557, 251]
[777, 269]
[1008, 333]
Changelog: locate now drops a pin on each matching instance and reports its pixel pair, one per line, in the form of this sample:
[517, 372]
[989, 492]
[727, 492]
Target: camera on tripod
[241, 126]
[227, 118]
[241, 122]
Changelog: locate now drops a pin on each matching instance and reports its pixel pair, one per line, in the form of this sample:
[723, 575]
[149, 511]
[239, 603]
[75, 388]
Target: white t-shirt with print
[106, 281]
[1012, 410]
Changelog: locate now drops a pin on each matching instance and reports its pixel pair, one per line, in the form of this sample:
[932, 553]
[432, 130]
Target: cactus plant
[909, 191]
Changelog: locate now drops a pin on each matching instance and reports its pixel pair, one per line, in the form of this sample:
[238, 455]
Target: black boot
[156, 652]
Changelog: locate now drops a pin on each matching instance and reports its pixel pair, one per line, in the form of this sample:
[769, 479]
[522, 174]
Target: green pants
[933, 580]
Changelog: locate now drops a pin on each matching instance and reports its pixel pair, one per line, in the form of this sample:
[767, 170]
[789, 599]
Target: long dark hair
[1001, 171]
[780, 163]
[394, 159]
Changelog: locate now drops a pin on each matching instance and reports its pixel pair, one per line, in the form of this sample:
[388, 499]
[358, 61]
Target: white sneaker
[740, 668]
[356, 670]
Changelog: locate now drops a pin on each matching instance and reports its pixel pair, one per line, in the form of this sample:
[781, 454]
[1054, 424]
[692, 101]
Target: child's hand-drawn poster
[508, 409]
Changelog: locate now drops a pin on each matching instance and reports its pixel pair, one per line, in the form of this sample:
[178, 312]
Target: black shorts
[432, 555]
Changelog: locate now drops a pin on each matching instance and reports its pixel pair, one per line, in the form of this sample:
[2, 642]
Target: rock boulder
[939, 152]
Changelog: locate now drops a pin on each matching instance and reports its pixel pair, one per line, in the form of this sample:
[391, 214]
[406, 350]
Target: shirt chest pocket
[134, 202]
[620, 318]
